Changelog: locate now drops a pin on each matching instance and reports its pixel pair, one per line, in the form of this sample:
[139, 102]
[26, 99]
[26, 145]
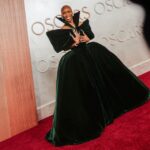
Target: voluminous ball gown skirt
[93, 88]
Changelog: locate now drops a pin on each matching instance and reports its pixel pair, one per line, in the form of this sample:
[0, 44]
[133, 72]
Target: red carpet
[131, 131]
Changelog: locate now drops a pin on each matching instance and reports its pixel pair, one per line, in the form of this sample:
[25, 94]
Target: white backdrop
[117, 24]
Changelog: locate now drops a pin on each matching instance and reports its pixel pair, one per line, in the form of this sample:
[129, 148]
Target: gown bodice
[61, 39]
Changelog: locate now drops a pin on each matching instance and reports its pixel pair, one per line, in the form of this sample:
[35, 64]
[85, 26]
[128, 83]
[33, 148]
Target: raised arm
[87, 31]
[60, 39]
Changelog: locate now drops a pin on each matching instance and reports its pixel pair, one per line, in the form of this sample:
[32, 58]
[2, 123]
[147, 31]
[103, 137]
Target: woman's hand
[76, 38]
[84, 38]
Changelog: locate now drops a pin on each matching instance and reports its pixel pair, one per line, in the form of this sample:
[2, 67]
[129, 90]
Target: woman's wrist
[75, 44]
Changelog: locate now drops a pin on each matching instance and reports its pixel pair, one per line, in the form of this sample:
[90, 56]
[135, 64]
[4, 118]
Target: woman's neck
[72, 23]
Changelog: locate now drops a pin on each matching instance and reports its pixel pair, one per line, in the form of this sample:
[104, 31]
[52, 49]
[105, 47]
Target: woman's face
[67, 14]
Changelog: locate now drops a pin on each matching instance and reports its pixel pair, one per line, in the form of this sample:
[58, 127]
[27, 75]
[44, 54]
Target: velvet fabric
[93, 87]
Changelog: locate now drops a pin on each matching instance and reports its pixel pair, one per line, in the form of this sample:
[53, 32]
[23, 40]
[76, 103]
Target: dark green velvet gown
[93, 87]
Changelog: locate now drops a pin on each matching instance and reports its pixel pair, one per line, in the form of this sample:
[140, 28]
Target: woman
[93, 85]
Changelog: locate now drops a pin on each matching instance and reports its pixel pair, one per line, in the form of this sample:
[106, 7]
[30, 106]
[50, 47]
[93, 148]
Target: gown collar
[76, 18]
